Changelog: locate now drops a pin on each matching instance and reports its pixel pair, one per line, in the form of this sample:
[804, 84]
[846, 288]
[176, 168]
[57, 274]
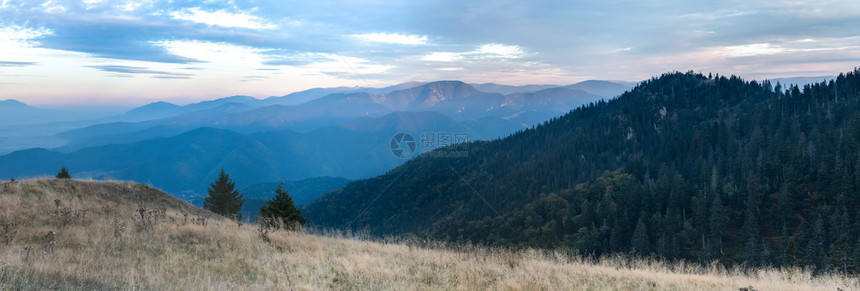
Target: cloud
[132, 5]
[90, 4]
[279, 57]
[345, 66]
[495, 50]
[805, 45]
[124, 76]
[179, 77]
[482, 52]
[103, 30]
[16, 64]
[113, 37]
[246, 58]
[394, 38]
[21, 37]
[213, 52]
[442, 57]
[755, 49]
[52, 7]
[716, 15]
[140, 70]
[223, 18]
[252, 78]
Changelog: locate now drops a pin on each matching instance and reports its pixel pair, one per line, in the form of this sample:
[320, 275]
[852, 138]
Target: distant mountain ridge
[508, 89]
[182, 164]
[600, 88]
[455, 99]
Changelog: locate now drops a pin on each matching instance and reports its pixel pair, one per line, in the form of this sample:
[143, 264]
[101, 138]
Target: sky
[131, 52]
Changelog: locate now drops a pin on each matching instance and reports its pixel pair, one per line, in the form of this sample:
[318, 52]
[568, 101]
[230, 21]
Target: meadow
[71, 234]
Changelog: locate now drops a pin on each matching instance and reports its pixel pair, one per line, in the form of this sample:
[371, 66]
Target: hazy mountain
[302, 191]
[311, 94]
[155, 110]
[508, 89]
[127, 132]
[161, 110]
[556, 99]
[12, 105]
[23, 126]
[606, 89]
[16, 113]
[318, 127]
[183, 164]
[455, 99]
[452, 98]
[325, 111]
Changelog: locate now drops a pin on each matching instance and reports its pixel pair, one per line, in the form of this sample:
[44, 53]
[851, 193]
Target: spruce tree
[750, 235]
[718, 221]
[816, 244]
[857, 258]
[841, 255]
[281, 208]
[640, 238]
[223, 197]
[64, 174]
[793, 257]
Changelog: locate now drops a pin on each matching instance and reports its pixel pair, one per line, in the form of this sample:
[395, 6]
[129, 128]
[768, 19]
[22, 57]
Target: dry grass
[167, 253]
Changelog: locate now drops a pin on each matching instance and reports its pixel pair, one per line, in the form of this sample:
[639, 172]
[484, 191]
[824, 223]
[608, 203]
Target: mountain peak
[159, 104]
[154, 109]
[427, 95]
[450, 89]
[601, 88]
[12, 103]
[216, 102]
[451, 85]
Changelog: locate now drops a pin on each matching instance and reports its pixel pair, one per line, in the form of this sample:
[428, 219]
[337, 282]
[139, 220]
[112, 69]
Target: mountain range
[341, 134]
[454, 99]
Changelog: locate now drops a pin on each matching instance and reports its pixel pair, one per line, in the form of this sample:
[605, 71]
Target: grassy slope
[175, 255]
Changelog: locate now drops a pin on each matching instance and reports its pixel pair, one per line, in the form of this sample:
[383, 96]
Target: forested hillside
[685, 166]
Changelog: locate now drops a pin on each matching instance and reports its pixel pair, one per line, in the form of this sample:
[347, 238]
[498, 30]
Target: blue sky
[54, 53]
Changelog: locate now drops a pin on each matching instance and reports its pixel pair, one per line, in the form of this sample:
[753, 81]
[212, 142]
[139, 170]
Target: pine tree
[640, 238]
[841, 255]
[792, 254]
[750, 233]
[282, 208]
[223, 197]
[816, 248]
[857, 258]
[64, 174]
[718, 221]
